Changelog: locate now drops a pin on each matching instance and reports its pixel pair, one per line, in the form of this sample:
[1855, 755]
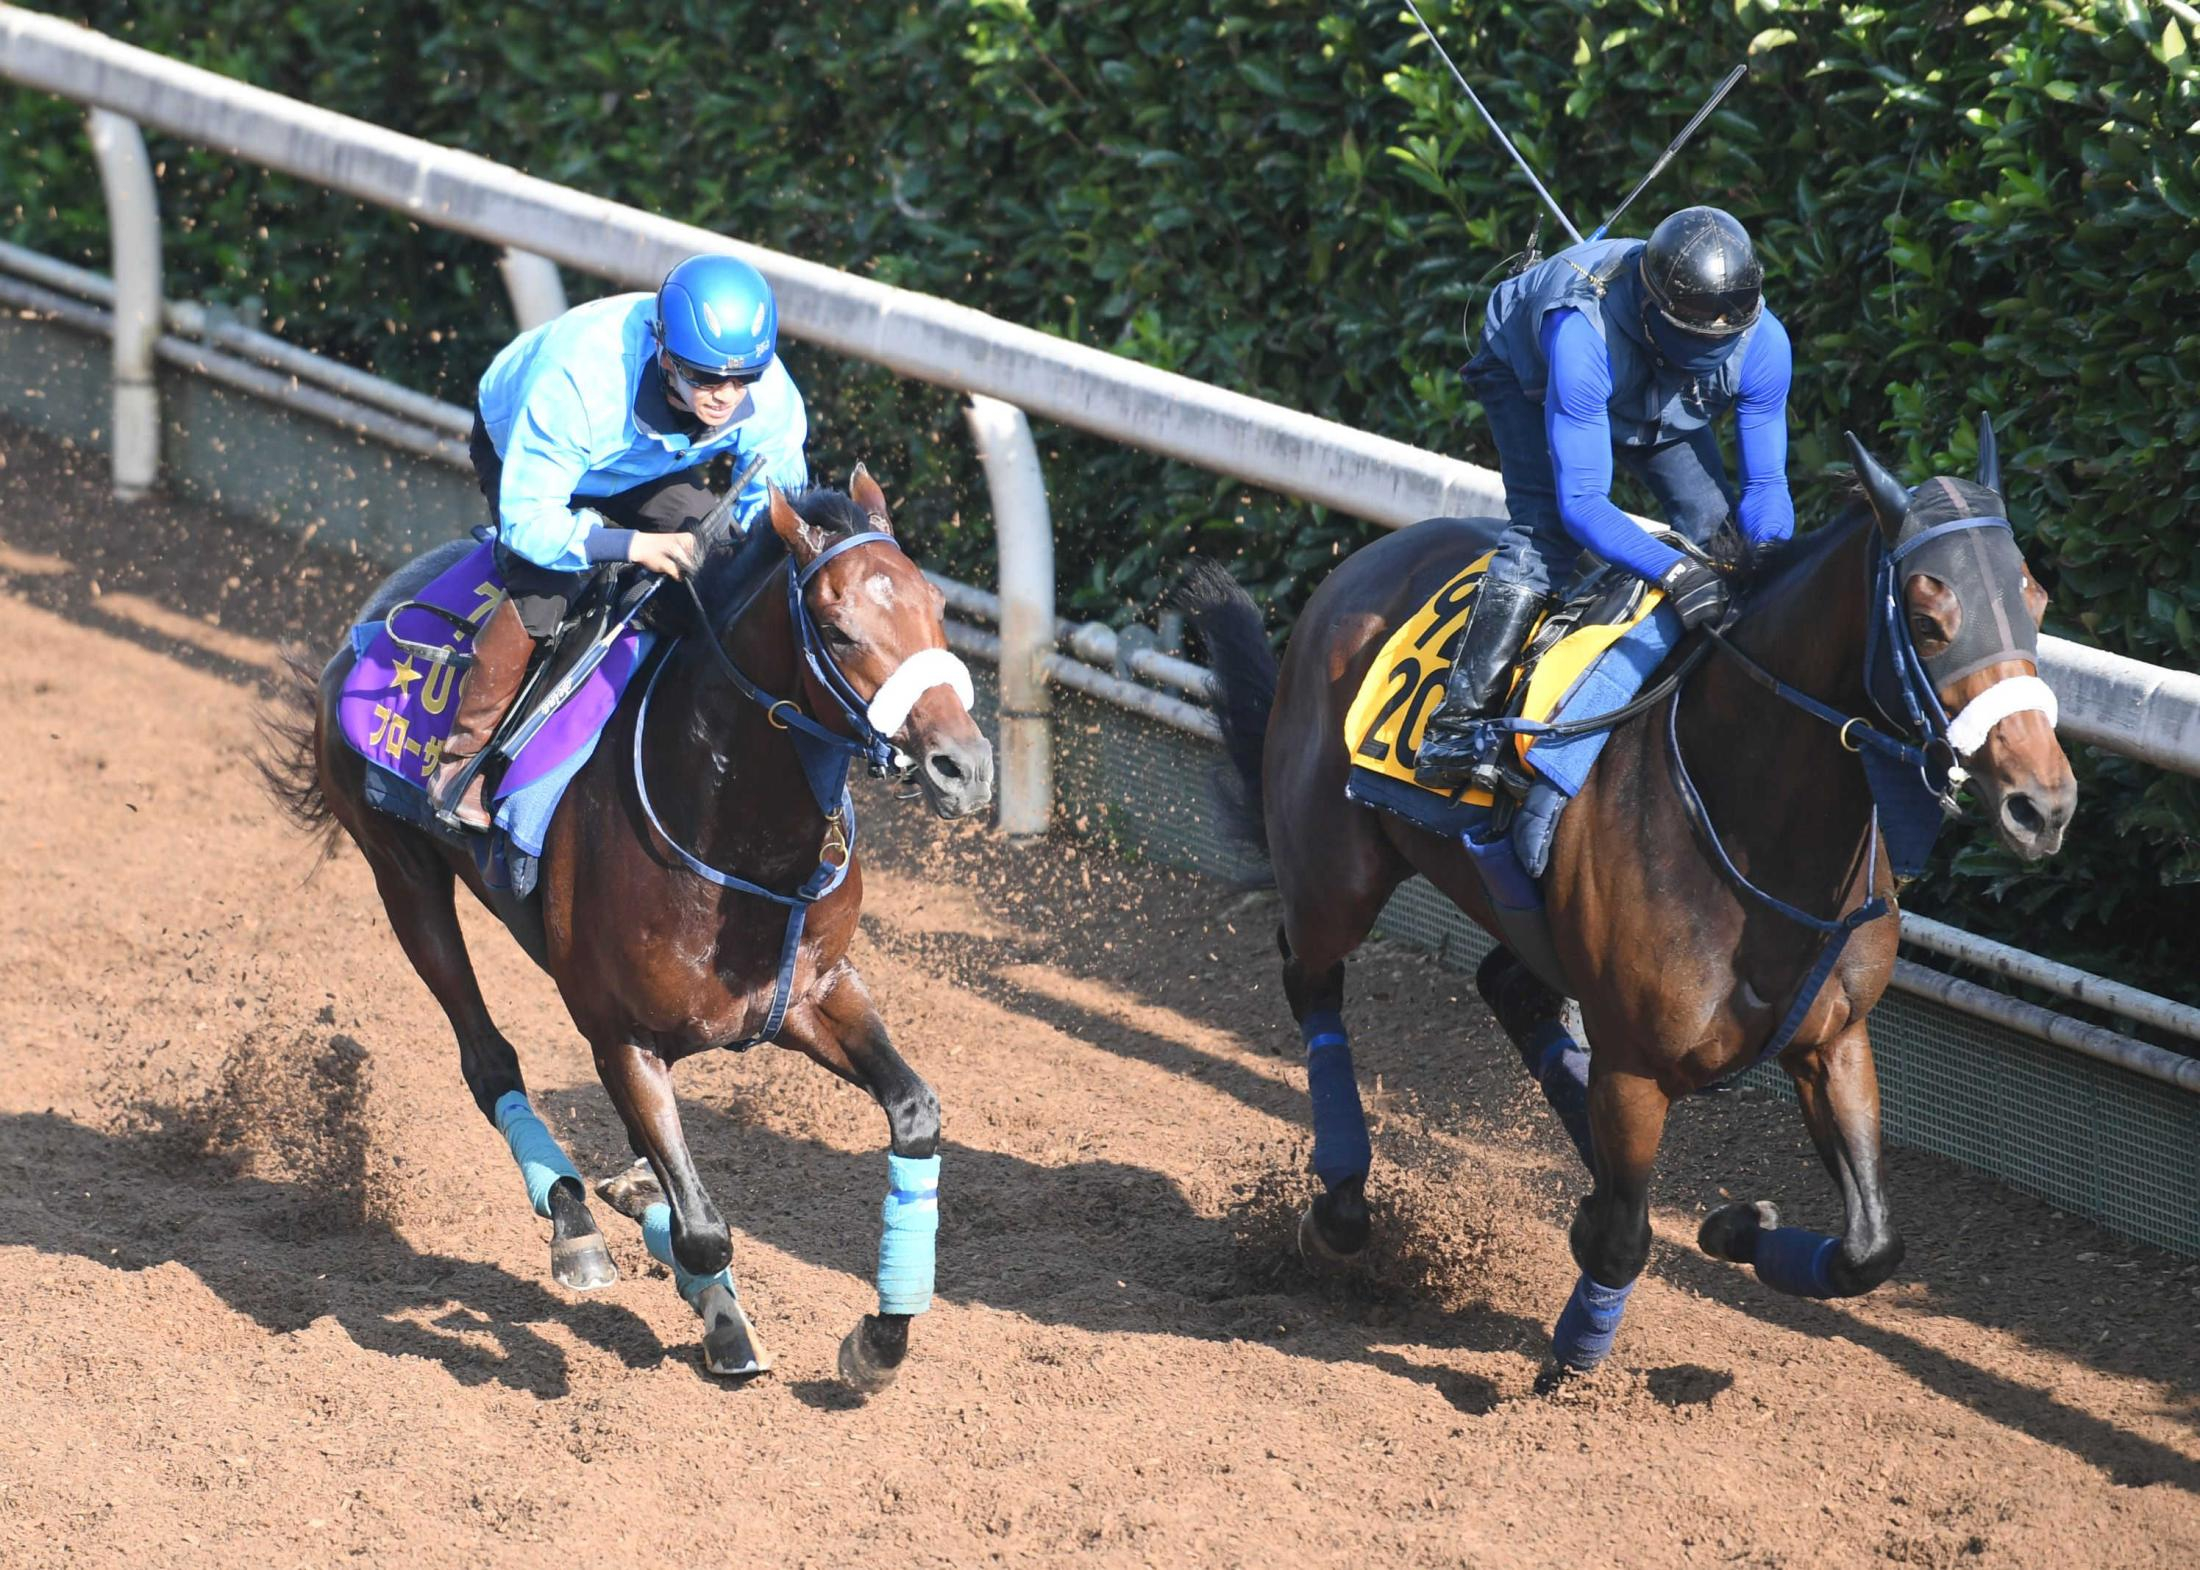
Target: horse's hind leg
[1534, 1020]
[417, 891]
[1611, 1230]
[845, 1034]
[1839, 1090]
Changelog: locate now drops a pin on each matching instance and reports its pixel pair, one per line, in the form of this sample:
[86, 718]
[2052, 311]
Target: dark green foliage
[1961, 209]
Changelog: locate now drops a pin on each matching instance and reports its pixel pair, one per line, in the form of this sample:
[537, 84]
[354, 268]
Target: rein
[825, 756]
[1913, 783]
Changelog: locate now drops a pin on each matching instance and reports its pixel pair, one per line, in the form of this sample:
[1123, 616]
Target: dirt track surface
[270, 1292]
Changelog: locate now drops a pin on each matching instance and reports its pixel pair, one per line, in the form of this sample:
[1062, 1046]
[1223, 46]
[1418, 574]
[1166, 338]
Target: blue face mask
[1687, 352]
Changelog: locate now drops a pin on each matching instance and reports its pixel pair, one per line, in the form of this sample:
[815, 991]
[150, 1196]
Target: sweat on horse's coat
[542, 1160]
[1341, 1148]
[906, 1245]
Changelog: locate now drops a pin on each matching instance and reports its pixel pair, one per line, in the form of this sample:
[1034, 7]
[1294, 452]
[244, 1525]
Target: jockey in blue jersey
[589, 442]
[1626, 347]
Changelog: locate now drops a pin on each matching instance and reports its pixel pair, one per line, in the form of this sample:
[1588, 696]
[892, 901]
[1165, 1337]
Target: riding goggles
[702, 378]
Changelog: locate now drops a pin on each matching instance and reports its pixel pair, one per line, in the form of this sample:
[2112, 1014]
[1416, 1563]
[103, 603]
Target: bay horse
[698, 887]
[1701, 885]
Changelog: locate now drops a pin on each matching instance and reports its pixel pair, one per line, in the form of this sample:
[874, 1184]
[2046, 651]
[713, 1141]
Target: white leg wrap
[1968, 731]
[912, 679]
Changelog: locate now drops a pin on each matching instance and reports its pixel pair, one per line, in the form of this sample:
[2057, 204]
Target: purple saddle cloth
[396, 708]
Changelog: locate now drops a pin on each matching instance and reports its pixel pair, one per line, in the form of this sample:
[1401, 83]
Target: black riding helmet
[1702, 274]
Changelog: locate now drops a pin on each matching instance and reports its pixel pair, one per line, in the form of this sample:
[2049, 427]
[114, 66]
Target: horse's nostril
[2024, 814]
[944, 768]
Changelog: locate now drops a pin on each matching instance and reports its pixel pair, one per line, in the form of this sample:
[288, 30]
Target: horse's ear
[1989, 455]
[1889, 497]
[803, 541]
[865, 493]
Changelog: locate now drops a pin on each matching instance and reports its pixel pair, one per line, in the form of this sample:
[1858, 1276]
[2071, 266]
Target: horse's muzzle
[957, 776]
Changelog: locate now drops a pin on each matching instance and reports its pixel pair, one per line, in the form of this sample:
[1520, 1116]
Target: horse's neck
[735, 776]
[1778, 785]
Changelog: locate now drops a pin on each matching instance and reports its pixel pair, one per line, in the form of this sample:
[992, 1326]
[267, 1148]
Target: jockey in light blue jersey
[1626, 348]
[589, 442]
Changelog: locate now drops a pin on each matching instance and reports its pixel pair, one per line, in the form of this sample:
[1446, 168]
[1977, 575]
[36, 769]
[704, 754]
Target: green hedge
[1960, 209]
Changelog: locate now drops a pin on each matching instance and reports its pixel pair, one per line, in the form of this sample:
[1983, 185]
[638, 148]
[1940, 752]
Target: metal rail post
[1023, 532]
[133, 223]
[537, 292]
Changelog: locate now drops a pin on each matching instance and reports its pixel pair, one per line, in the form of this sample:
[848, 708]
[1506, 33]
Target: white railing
[2107, 700]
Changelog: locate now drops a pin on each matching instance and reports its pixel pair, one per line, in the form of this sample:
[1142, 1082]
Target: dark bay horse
[1692, 882]
[652, 912]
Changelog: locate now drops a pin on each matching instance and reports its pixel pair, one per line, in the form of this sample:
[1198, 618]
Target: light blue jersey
[577, 408]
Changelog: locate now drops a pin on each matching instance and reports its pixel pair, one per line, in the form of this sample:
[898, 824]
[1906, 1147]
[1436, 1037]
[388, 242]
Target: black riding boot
[1482, 659]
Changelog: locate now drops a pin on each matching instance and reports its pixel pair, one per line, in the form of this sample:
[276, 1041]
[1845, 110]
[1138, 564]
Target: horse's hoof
[1316, 1249]
[632, 1191]
[860, 1368]
[582, 1264]
[1730, 1232]
[731, 1347]
[1553, 1378]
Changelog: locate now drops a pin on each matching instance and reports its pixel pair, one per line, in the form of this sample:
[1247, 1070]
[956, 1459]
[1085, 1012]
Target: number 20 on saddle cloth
[1591, 670]
[397, 707]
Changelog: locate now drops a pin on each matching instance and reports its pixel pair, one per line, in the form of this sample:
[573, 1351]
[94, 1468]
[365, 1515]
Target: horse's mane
[742, 562]
[1763, 569]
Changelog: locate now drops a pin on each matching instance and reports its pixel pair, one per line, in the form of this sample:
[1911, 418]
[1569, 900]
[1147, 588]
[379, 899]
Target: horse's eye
[1924, 628]
[834, 636]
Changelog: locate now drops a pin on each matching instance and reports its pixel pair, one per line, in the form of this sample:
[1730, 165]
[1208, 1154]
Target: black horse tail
[1229, 624]
[288, 756]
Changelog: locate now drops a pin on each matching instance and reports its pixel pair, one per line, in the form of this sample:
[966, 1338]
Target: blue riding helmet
[716, 317]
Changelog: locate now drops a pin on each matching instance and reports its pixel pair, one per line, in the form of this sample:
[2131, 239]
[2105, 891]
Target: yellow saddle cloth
[1384, 725]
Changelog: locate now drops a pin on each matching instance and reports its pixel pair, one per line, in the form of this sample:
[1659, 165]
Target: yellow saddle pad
[1406, 683]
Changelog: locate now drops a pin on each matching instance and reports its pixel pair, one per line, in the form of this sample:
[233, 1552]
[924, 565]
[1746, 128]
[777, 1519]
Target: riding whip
[1732, 77]
[1497, 130]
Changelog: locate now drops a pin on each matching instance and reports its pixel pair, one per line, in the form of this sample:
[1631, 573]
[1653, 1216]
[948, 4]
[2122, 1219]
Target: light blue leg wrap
[1796, 1261]
[906, 1246]
[1589, 1324]
[542, 1161]
[657, 1237]
[1341, 1149]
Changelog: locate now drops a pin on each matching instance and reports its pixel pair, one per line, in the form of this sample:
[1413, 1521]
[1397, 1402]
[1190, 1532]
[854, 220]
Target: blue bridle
[1911, 771]
[826, 756]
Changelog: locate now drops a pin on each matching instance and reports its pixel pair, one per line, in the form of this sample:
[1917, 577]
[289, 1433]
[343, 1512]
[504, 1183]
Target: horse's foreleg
[417, 892]
[1611, 1231]
[1839, 1091]
[1336, 1225]
[682, 1228]
[845, 1034]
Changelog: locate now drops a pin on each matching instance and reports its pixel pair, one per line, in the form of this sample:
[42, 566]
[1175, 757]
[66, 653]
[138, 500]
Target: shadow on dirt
[274, 1250]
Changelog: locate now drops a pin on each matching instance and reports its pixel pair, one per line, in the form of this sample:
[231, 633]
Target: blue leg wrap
[1796, 1261]
[542, 1161]
[1560, 1066]
[1341, 1149]
[905, 1247]
[1589, 1324]
[657, 1237]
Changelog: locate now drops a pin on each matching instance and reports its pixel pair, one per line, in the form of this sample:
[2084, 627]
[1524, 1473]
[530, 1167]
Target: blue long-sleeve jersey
[1579, 429]
[576, 409]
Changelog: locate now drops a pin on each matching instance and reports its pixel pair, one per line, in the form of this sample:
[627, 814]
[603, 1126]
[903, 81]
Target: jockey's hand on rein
[1697, 593]
[674, 555]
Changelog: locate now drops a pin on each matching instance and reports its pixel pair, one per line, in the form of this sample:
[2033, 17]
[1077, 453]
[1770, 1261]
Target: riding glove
[1697, 593]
